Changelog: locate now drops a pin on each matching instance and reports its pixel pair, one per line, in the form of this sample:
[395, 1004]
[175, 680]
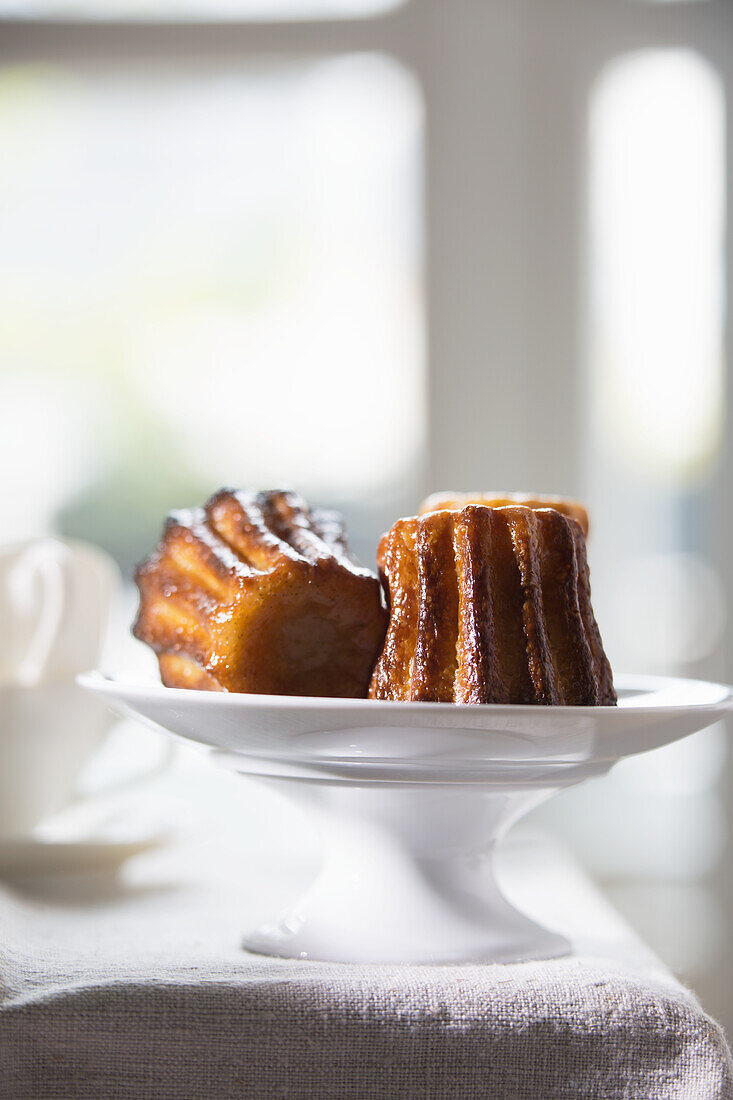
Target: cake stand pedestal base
[407, 876]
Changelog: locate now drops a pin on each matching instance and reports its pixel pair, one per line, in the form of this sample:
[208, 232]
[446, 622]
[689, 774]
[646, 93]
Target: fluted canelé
[256, 592]
[490, 605]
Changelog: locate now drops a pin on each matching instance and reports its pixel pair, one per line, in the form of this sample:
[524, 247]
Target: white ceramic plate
[364, 737]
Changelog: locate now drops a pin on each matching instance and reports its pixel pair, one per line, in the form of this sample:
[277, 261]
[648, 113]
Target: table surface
[132, 983]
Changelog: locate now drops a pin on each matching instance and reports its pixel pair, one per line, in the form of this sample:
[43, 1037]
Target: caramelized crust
[455, 501]
[490, 605]
[255, 592]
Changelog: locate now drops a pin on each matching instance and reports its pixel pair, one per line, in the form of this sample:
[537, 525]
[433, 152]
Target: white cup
[48, 733]
[54, 607]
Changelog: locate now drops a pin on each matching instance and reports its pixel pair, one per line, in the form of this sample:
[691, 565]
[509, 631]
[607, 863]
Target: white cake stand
[411, 799]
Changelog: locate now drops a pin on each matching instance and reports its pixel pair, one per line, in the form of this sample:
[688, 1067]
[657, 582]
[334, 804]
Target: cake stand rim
[121, 683]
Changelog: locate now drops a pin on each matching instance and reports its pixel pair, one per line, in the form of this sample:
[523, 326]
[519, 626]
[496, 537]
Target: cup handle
[43, 561]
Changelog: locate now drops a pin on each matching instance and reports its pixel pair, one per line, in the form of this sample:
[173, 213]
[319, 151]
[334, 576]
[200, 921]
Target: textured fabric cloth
[133, 986]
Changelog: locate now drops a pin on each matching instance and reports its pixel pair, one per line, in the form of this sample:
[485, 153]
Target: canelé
[490, 605]
[256, 592]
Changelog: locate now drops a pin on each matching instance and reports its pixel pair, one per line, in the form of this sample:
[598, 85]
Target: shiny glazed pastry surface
[255, 592]
[455, 501]
[490, 605]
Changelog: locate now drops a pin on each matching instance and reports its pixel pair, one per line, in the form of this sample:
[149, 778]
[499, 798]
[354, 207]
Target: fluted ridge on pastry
[490, 605]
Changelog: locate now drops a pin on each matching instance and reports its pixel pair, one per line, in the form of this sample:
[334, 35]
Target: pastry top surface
[255, 531]
[452, 501]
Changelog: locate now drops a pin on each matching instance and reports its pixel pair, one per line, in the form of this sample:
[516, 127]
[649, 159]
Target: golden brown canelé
[256, 592]
[453, 502]
[490, 605]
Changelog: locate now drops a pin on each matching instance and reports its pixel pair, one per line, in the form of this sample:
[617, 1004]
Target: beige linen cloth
[132, 986]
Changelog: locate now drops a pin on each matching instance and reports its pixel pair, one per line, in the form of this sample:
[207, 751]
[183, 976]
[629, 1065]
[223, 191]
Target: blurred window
[657, 231]
[208, 277]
